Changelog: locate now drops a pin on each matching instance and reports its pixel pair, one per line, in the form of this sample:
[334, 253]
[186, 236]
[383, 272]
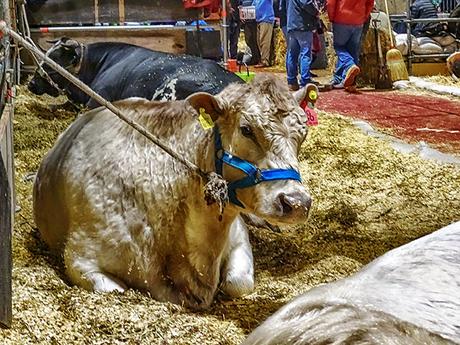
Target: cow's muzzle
[294, 205]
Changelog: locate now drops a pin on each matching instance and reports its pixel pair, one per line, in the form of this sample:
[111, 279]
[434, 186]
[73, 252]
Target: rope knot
[216, 191]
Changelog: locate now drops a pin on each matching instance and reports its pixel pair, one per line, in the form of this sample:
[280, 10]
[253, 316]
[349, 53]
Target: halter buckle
[258, 176]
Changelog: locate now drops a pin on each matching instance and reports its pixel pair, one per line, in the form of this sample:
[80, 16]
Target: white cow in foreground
[409, 296]
[126, 214]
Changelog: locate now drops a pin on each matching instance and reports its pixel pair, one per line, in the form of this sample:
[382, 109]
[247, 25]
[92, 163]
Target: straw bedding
[443, 80]
[367, 200]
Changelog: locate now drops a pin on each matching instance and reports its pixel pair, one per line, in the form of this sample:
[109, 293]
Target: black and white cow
[118, 70]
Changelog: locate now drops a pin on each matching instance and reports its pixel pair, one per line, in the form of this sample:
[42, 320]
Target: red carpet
[414, 118]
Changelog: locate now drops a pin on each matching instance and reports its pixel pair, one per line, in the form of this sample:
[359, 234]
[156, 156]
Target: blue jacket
[423, 9]
[264, 11]
[302, 15]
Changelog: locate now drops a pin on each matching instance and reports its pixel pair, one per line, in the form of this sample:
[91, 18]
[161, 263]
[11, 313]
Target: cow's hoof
[237, 284]
[107, 283]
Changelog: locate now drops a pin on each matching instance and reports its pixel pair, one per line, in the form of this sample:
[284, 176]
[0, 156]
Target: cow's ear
[206, 102]
[53, 41]
[309, 94]
[62, 40]
[70, 43]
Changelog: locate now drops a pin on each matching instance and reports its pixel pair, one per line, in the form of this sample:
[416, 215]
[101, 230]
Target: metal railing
[448, 5]
[406, 18]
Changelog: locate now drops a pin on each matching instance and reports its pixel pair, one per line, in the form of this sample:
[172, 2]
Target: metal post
[6, 220]
[224, 32]
[6, 175]
[409, 38]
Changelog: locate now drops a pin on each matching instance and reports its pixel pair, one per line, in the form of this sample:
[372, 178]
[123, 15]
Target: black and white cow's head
[66, 52]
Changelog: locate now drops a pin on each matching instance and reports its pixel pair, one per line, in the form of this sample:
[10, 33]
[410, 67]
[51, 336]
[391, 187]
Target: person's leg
[354, 43]
[305, 43]
[234, 34]
[258, 43]
[265, 32]
[292, 58]
[250, 34]
[285, 34]
[353, 47]
[342, 34]
[272, 48]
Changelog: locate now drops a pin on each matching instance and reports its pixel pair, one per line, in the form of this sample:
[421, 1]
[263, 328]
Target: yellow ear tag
[205, 119]
[313, 95]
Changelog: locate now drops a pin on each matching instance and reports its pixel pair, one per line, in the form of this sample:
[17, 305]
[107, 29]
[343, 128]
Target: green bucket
[246, 76]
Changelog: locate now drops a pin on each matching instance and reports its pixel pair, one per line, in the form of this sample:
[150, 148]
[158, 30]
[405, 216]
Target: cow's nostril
[294, 202]
[286, 203]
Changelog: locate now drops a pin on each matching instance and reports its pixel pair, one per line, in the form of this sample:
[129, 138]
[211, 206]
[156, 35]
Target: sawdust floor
[368, 199]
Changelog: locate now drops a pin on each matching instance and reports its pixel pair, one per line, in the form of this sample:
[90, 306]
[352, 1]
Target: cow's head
[263, 124]
[453, 65]
[67, 53]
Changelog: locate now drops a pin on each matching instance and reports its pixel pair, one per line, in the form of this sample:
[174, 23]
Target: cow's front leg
[238, 266]
[86, 273]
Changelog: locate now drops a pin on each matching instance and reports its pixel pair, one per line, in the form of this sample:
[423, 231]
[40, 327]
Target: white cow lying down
[123, 213]
[409, 296]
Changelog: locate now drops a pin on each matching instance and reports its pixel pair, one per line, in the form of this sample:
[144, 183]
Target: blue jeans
[299, 52]
[347, 45]
[284, 30]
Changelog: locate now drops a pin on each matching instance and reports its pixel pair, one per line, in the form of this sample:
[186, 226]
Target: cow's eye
[246, 131]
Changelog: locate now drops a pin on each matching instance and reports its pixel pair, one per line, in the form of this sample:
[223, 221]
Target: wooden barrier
[6, 214]
[166, 39]
[69, 12]
[54, 19]
[6, 173]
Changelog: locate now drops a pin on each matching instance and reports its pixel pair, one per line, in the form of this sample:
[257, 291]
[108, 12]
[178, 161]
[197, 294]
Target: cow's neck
[89, 66]
[206, 231]
[175, 126]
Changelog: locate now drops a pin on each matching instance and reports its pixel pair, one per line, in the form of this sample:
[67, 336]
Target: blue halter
[254, 174]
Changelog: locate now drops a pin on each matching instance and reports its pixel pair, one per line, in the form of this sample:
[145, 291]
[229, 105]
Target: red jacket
[353, 12]
[212, 5]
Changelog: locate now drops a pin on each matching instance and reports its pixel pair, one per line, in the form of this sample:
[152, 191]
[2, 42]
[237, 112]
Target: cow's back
[125, 71]
[418, 282]
[410, 295]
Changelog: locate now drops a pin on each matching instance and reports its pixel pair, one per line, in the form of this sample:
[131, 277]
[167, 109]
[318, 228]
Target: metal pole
[224, 32]
[6, 179]
[409, 38]
[71, 29]
[433, 20]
